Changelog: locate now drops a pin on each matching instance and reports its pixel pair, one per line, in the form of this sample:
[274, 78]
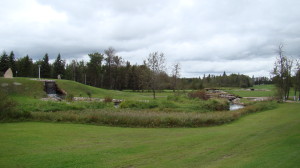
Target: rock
[8, 73]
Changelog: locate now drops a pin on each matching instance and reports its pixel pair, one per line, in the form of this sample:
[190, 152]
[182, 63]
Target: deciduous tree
[282, 71]
[156, 63]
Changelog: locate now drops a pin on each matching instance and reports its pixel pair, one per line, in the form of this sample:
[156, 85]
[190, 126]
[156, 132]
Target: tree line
[110, 71]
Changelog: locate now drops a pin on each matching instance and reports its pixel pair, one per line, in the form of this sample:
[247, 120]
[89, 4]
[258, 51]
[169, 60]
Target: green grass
[150, 118]
[24, 87]
[267, 139]
[265, 91]
[34, 89]
[28, 92]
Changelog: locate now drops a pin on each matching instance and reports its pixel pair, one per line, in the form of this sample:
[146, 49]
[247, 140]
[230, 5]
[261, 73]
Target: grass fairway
[260, 91]
[266, 139]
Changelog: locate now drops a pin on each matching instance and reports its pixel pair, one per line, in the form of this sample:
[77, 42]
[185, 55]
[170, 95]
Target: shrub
[70, 97]
[8, 109]
[201, 94]
[216, 105]
[89, 95]
[108, 99]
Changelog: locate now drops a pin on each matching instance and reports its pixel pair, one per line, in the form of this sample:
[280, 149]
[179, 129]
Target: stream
[233, 107]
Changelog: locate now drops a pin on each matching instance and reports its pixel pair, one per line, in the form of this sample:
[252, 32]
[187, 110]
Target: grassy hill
[24, 87]
[33, 88]
[266, 139]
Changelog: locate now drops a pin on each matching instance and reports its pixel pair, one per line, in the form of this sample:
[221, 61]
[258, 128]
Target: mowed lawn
[260, 91]
[265, 139]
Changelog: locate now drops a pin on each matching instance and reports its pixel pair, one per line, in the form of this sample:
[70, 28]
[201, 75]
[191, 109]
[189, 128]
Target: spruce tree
[25, 67]
[58, 67]
[4, 62]
[45, 67]
[12, 62]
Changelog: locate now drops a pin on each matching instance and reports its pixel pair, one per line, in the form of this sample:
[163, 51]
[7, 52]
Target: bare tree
[282, 71]
[156, 63]
[175, 75]
[110, 53]
[297, 80]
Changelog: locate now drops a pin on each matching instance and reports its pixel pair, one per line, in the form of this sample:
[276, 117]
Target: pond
[235, 107]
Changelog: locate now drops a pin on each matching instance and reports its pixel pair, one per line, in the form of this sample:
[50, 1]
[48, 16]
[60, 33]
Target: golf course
[266, 139]
[74, 134]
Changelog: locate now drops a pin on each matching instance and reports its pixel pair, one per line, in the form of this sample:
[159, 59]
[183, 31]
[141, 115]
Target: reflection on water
[235, 107]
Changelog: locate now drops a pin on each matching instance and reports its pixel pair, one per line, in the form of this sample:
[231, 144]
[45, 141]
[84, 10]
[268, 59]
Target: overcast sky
[204, 36]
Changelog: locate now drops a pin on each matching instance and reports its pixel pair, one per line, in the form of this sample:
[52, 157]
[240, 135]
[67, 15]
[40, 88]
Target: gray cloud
[204, 36]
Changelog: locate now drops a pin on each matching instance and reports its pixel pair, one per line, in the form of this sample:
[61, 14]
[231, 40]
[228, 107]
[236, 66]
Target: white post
[39, 72]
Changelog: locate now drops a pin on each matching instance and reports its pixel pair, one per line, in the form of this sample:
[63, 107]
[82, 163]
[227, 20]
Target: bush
[8, 109]
[216, 105]
[108, 99]
[70, 97]
[89, 94]
[201, 94]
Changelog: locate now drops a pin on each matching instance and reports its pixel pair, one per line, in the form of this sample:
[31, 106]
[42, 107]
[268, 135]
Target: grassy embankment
[167, 111]
[28, 93]
[267, 139]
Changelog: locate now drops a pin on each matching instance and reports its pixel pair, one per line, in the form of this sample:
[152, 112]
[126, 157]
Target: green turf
[24, 88]
[259, 91]
[266, 139]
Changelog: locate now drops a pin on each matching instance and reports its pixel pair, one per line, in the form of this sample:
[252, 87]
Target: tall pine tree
[58, 67]
[4, 62]
[12, 62]
[25, 67]
[45, 67]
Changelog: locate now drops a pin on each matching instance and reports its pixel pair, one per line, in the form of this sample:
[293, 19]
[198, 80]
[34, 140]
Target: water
[55, 96]
[235, 107]
[116, 104]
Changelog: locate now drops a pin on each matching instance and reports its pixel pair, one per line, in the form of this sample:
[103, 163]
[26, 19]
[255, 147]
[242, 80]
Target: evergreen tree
[94, 69]
[58, 67]
[4, 62]
[12, 62]
[25, 67]
[45, 67]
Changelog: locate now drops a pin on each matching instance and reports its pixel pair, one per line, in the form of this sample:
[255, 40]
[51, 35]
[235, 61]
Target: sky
[203, 36]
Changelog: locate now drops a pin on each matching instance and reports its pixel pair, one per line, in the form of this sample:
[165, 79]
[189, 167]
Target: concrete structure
[8, 74]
